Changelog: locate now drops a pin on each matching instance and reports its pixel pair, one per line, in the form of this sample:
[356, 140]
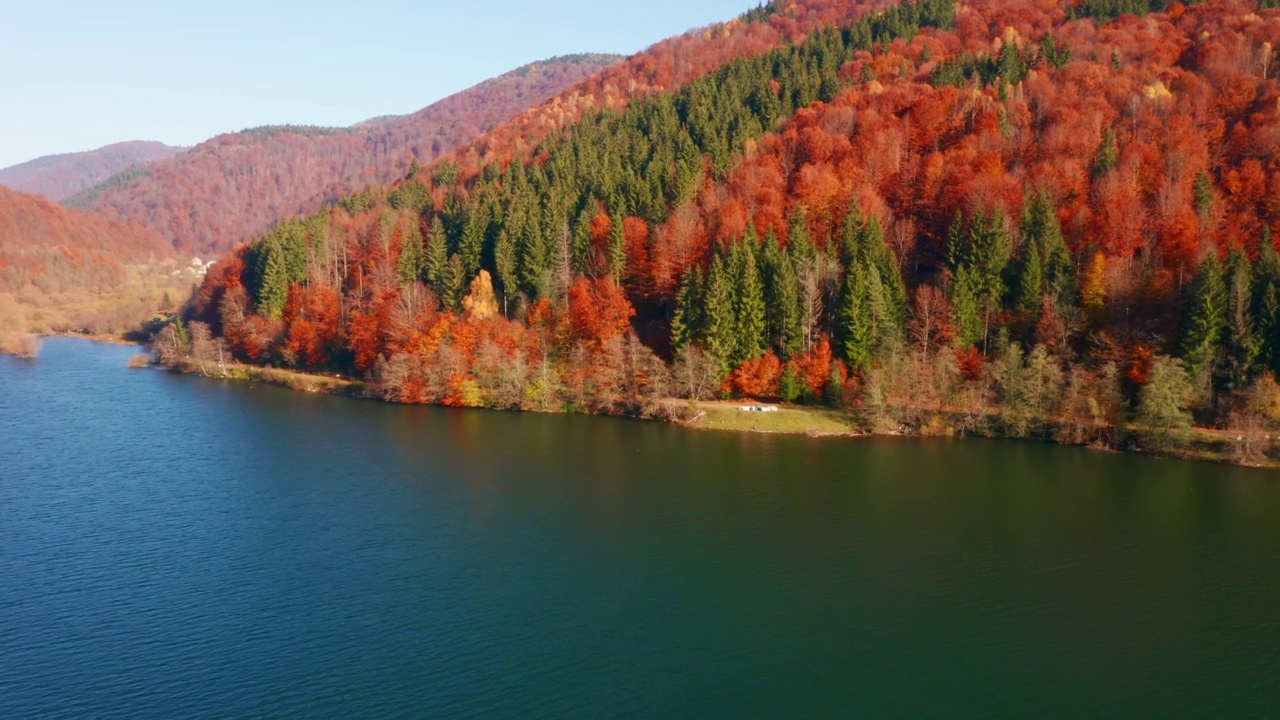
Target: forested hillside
[991, 215]
[67, 269]
[237, 186]
[61, 176]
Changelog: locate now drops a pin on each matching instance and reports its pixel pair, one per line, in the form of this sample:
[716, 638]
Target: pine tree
[719, 322]
[782, 298]
[856, 331]
[471, 245]
[1107, 156]
[1241, 338]
[274, 263]
[582, 241]
[799, 245]
[453, 283]
[687, 326]
[873, 300]
[1203, 190]
[617, 249]
[891, 300]
[504, 262]
[786, 304]
[966, 309]
[980, 257]
[533, 254]
[436, 261]
[1030, 280]
[413, 257]
[749, 308]
[1206, 320]
[1040, 226]
[789, 386]
[1266, 304]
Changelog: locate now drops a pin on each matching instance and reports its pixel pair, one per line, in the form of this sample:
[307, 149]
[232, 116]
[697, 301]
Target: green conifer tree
[1203, 190]
[1030, 281]
[1107, 156]
[749, 308]
[413, 256]
[1241, 339]
[504, 262]
[687, 326]
[1040, 226]
[435, 263]
[1205, 320]
[617, 249]
[1266, 304]
[453, 284]
[471, 245]
[719, 320]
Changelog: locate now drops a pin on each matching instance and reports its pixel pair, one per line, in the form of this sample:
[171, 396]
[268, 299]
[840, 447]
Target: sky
[81, 74]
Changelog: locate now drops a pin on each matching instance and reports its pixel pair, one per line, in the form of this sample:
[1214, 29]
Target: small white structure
[199, 267]
[758, 408]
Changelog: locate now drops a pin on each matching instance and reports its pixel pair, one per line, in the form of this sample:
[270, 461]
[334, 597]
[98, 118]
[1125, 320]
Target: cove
[172, 546]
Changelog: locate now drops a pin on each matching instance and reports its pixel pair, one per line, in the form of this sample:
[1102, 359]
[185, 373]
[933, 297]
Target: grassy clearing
[796, 420]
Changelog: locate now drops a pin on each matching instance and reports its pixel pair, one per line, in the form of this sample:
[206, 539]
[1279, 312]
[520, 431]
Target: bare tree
[697, 375]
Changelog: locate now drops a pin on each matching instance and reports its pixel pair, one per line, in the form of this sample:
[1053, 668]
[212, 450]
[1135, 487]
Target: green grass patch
[788, 419]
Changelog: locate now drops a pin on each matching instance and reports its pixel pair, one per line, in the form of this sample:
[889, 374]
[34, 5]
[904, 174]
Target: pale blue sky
[79, 74]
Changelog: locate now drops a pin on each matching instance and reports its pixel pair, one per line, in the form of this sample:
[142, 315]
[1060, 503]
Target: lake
[176, 547]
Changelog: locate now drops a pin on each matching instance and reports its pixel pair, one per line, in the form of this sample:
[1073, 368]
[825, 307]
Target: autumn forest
[1032, 219]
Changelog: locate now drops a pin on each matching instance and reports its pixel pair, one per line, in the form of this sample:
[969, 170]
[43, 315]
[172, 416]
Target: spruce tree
[617, 249]
[1206, 320]
[1241, 337]
[413, 257]
[786, 306]
[453, 283]
[1203, 190]
[979, 257]
[582, 240]
[892, 302]
[1266, 304]
[873, 300]
[966, 308]
[719, 322]
[687, 324]
[1107, 156]
[1030, 279]
[436, 261]
[471, 245]
[504, 262]
[533, 255]
[799, 245]
[855, 329]
[782, 297]
[1040, 226]
[749, 308]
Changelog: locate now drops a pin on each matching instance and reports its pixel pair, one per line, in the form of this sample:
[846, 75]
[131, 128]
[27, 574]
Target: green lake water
[174, 547]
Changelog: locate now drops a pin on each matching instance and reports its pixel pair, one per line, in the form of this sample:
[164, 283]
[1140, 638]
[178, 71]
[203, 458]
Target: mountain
[67, 269]
[61, 176]
[237, 186]
[996, 216]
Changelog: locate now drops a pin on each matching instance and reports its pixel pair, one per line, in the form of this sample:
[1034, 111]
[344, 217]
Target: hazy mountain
[61, 176]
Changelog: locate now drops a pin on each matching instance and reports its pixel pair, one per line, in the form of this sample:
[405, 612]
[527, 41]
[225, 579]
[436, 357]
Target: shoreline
[28, 345]
[106, 339]
[1197, 443]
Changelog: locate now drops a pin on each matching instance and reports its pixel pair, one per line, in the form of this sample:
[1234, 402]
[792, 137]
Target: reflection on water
[171, 546]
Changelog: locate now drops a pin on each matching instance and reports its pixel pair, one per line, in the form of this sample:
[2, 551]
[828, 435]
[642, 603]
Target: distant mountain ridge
[236, 186]
[60, 176]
